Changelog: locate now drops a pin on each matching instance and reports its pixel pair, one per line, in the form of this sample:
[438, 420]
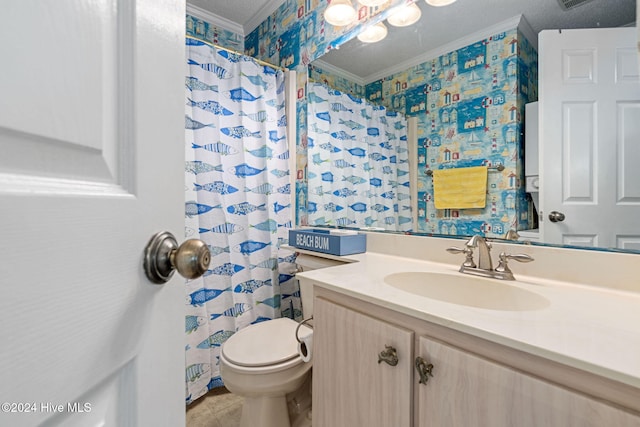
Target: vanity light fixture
[340, 13]
[373, 34]
[405, 16]
[372, 3]
[438, 3]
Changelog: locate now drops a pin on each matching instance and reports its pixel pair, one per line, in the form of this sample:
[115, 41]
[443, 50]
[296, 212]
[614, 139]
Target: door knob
[162, 257]
[556, 216]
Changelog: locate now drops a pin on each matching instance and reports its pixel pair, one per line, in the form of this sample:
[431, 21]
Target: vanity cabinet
[351, 389]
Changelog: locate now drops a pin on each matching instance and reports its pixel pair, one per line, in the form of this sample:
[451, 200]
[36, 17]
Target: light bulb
[340, 13]
[373, 34]
[405, 16]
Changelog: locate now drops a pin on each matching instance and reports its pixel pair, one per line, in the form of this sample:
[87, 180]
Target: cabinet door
[350, 387]
[466, 390]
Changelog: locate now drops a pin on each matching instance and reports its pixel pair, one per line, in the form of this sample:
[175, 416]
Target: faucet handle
[468, 262]
[517, 257]
[457, 250]
[503, 260]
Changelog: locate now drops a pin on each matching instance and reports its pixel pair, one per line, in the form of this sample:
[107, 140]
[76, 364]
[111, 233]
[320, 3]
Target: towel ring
[300, 324]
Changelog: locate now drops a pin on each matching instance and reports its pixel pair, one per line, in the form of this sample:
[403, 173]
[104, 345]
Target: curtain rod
[237, 53]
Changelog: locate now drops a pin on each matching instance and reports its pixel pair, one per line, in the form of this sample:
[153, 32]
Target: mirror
[365, 63]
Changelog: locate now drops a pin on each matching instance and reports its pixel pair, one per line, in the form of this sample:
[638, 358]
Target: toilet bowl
[262, 364]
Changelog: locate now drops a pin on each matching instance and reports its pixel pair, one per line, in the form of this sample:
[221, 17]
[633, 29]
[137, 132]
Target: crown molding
[262, 15]
[500, 27]
[215, 19]
[339, 72]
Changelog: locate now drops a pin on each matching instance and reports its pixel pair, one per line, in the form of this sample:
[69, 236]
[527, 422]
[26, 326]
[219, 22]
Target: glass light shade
[438, 3]
[373, 34]
[405, 16]
[372, 3]
[340, 13]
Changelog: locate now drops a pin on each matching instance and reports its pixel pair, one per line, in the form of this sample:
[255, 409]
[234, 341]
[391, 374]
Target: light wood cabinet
[351, 389]
[467, 390]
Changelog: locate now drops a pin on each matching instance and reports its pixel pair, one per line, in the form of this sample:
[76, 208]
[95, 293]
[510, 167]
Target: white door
[91, 165]
[590, 137]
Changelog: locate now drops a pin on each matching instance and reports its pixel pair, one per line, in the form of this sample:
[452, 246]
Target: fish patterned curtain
[358, 169]
[237, 200]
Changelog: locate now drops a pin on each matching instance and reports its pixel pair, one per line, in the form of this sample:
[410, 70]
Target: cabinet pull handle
[424, 370]
[389, 356]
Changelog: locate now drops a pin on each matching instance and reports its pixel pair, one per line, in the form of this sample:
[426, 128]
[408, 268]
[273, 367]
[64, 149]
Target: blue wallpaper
[470, 106]
[205, 31]
[318, 75]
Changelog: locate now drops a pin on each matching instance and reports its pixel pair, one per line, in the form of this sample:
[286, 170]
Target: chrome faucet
[485, 265]
[484, 252]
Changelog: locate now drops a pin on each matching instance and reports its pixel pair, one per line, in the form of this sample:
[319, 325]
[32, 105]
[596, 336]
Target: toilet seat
[264, 347]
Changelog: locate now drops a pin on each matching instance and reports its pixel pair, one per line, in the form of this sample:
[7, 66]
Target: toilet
[262, 364]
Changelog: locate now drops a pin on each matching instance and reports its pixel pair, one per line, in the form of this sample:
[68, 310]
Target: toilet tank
[307, 262]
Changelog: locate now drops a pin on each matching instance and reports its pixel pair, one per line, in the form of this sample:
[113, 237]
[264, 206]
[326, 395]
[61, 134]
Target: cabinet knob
[425, 370]
[389, 356]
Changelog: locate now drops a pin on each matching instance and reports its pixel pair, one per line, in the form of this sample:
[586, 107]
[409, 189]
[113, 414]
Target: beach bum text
[313, 242]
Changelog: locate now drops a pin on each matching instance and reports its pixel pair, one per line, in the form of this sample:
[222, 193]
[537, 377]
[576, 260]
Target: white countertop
[590, 328]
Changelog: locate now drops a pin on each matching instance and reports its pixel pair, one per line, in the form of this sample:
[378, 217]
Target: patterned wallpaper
[319, 75]
[470, 109]
[203, 30]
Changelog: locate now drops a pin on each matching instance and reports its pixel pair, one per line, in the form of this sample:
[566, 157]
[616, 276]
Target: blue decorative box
[320, 240]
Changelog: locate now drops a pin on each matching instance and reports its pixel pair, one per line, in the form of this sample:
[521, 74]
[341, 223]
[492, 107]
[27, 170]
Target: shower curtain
[358, 169]
[237, 200]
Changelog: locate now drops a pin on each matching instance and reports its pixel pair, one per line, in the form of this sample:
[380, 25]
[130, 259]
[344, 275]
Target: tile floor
[218, 408]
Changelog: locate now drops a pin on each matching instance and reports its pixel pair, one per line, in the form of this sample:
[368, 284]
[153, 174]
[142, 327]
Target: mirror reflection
[468, 104]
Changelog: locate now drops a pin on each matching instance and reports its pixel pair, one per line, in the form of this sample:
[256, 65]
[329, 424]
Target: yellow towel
[460, 188]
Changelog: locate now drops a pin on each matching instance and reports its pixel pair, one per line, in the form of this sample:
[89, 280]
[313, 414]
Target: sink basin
[467, 290]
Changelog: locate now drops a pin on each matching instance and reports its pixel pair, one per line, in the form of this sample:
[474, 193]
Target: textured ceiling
[241, 12]
[439, 26]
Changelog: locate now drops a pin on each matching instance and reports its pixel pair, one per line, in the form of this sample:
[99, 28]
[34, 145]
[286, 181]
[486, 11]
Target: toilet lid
[265, 343]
